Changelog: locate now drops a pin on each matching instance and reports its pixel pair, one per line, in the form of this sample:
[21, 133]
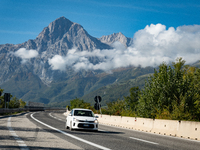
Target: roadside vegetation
[14, 102]
[172, 92]
[79, 103]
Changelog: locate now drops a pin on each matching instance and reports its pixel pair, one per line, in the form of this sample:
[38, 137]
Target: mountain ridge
[34, 79]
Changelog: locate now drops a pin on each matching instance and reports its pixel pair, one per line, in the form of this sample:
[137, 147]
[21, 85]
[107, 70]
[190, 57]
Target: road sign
[97, 99]
[7, 97]
[97, 106]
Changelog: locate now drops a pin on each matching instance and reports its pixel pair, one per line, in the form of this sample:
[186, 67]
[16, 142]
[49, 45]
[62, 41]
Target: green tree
[77, 103]
[116, 107]
[132, 100]
[14, 103]
[157, 92]
[171, 92]
[22, 103]
[196, 93]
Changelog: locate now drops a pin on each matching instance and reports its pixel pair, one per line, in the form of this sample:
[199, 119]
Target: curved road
[109, 137]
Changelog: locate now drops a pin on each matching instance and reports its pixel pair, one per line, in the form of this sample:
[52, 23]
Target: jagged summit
[109, 39]
[65, 34]
[60, 25]
[55, 30]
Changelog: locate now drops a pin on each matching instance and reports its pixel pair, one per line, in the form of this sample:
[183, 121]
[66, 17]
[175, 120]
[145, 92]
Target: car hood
[85, 118]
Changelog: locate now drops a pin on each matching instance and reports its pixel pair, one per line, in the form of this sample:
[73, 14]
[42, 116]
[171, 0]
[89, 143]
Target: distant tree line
[172, 92]
[79, 103]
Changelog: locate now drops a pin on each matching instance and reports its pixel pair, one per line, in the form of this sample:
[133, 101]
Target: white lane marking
[20, 142]
[54, 117]
[144, 140]
[51, 115]
[70, 135]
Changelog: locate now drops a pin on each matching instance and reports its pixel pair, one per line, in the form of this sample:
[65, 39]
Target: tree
[157, 92]
[172, 92]
[116, 107]
[14, 103]
[22, 103]
[77, 103]
[132, 100]
[196, 81]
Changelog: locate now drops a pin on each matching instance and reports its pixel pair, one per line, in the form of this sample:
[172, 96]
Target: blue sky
[21, 20]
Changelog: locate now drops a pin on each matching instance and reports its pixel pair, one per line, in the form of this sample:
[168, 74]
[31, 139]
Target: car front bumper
[85, 125]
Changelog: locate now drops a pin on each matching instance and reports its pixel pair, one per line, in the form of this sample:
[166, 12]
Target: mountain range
[26, 72]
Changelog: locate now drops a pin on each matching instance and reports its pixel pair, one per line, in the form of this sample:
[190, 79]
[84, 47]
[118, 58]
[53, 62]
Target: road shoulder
[32, 135]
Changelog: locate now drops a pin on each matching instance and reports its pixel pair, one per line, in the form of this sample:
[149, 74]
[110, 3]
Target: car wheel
[66, 127]
[70, 128]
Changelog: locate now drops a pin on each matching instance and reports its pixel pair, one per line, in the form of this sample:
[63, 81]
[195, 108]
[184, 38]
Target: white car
[81, 119]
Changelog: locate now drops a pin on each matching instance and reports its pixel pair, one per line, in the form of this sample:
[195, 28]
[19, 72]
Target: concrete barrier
[183, 129]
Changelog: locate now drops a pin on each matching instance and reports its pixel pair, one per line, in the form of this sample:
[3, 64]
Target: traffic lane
[109, 139]
[45, 118]
[27, 135]
[165, 141]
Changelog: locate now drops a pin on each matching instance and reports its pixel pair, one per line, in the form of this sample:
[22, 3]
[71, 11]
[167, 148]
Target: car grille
[81, 125]
[86, 121]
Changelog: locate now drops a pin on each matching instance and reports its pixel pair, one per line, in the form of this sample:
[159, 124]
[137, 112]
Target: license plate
[86, 125]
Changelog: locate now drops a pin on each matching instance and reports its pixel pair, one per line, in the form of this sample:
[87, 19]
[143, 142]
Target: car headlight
[76, 120]
[96, 121]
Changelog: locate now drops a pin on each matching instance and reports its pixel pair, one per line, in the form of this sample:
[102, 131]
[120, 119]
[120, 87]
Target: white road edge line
[54, 117]
[72, 136]
[20, 142]
[144, 140]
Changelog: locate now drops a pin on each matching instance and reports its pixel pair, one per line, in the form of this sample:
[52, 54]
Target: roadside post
[97, 105]
[0, 95]
[6, 98]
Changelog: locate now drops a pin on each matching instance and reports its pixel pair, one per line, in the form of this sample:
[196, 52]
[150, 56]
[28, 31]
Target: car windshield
[83, 113]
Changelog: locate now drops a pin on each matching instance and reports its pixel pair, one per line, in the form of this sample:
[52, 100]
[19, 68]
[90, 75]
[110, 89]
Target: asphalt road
[109, 137]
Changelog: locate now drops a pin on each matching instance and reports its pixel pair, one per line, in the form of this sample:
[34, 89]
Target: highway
[55, 136]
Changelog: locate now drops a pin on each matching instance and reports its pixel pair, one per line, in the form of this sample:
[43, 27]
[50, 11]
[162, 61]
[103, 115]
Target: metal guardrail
[54, 108]
[6, 110]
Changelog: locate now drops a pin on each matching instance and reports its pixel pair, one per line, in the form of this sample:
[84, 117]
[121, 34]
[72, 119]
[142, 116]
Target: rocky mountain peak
[60, 24]
[55, 30]
[57, 38]
[29, 77]
[62, 34]
[109, 39]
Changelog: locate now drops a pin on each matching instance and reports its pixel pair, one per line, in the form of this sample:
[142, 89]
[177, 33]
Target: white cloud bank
[151, 46]
[25, 54]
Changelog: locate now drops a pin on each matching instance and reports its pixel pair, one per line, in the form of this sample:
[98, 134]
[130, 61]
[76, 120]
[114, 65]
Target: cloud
[25, 54]
[151, 46]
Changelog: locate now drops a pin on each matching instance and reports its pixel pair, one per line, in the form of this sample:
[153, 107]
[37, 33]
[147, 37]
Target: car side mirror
[96, 116]
[70, 115]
